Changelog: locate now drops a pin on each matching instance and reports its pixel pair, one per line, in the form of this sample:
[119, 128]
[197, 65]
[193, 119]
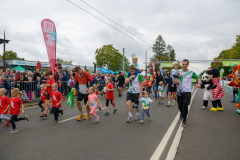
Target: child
[38, 87]
[149, 85]
[70, 83]
[134, 63]
[160, 92]
[97, 92]
[176, 79]
[60, 85]
[43, 97]
[30, 89]
[56, 98]
[109, 96]
[145, 106]
[14, 105]
[92, 102]
[3, 105]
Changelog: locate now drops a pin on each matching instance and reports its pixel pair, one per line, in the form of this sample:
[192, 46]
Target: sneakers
[141, 122]
[61, 112]
[87, 117]
[55, 122]
[106, 113]
[237, 111]
[149, 118]
[181, 117]
[115, 110]
[42, 109]
[169, 105]
[173, 103]
[43, 116]
[220, 108]
[96, 119]
[184, 124]
[129, 119]
[214, 109]
[80, 117]
[7, 124]
[137, 117]
[26, 117]
[204, 107]
[14, 131]
[160, 102]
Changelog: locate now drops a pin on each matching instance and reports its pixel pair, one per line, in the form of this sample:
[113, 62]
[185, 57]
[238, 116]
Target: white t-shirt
[134, 85]
[186, 79]
[146, 103]
[135, 64]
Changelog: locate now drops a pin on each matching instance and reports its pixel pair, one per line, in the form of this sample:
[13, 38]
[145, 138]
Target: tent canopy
[19, 68]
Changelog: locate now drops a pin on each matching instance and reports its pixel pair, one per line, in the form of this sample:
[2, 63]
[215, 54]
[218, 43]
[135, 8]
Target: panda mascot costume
[217, 90]
[207, 84]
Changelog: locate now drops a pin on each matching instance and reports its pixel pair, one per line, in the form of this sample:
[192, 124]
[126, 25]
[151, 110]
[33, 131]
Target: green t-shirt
[186, 80]
[134, 86]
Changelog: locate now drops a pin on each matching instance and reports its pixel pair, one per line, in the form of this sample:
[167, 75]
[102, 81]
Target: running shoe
[115, 110]
[137, 117]
[96, 119]
[181, 117]
[129, 119]
[173, 103]
[7, 124]
[169, 105]
[237, 111]
[106, 113]
[26, 117]
[14, 131]
[43, 116]
[149, 118]
[184, 124]
[80, 117]
[61, 112]
[55, 122]
[220, 108]
[141, 122]
[42, 109]
[87, 117]
[214, 109]
[204, 107]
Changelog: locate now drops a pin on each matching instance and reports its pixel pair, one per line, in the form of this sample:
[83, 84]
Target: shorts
[134, 97]
[48, 96]
[120, 85]
[172, 89]
[81, 96]
[161, 94]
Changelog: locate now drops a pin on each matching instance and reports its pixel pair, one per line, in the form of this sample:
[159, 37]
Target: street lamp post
[4, 50]
[146, 62]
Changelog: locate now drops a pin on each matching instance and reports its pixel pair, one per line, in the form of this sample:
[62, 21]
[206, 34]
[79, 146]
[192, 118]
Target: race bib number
[92, 104]
[145, 107]
[131, 88]
[160, 92]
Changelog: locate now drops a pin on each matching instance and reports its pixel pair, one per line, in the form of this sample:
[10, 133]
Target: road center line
[173, 149]
[159, 150]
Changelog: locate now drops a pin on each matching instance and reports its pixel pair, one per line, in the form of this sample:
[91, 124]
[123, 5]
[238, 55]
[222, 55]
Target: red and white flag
[153, 66]
[50, 38]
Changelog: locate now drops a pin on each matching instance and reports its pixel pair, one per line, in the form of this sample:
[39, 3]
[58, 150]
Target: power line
[115, 22]
[107, 23]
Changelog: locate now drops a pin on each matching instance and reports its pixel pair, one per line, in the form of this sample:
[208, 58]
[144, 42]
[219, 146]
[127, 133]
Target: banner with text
[166, 65]
[230, 63]
[49, 35]
[153, 66]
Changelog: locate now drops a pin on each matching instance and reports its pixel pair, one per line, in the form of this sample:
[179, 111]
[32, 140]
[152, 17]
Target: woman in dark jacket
[102, 84]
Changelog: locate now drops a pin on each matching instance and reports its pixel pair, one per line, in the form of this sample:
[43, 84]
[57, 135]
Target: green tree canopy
[107, 55]
[64, 62]
[9, 55]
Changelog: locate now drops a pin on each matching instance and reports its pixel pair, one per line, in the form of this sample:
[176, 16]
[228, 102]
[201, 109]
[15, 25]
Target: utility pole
[146, 64]
[4, 50]
[123, 62]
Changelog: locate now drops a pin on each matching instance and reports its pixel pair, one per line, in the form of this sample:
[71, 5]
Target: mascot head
[206, 77]
[213, 72]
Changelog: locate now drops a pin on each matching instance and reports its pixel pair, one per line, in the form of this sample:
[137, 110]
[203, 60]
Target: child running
[97, 92]
[14, 105]
[43, 97]
[3, 105]
[109, 96]
[145, 106]
[56, 98]
[160, 92]
[92, 102]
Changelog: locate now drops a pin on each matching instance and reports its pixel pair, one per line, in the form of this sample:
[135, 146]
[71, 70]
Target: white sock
[137, 113]
[169, 101]
[130, 114]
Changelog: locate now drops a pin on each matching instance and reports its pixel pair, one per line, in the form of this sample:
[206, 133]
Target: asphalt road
[209, 135]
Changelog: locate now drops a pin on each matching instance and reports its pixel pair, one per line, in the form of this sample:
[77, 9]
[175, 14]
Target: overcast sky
[197, 30]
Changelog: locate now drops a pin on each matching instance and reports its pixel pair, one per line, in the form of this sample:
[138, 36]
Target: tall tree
[107, 55]
[160, 46]
[171, 53]
[64, 62]
[9, 55]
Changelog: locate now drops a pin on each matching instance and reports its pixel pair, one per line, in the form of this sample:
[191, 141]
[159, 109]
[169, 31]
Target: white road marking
[159, 150]
[76, 117]
[173, 149]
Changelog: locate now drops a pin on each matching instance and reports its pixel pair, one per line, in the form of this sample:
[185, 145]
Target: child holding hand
[145, 106]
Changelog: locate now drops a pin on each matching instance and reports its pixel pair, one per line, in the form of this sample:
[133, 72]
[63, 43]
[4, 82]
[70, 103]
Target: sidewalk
[211, 135]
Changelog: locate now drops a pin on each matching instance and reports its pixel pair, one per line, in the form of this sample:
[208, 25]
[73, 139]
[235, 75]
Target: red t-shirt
[154, 77]
[39, 65]
[49, 88]
[3, 104]
[96, 92]
[149, 83]
[43, 96]
[110, 94]
[15, 104]
[56, 97]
